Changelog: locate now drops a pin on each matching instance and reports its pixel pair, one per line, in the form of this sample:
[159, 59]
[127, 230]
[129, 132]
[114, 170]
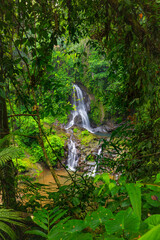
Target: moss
[85, 133]
[85, 137]
[75, 130]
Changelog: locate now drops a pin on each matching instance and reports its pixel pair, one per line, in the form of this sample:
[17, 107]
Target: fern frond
[8, 153]
[47, 220]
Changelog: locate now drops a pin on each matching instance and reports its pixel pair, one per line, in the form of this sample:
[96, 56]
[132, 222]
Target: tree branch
[19, 115]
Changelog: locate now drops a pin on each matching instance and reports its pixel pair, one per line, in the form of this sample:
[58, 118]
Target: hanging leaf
[134, 193]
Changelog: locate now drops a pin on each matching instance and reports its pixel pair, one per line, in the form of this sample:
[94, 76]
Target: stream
[46, 177]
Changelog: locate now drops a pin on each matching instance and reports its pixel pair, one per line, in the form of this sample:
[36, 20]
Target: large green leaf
[153, 234]
[153, 220]
[94, 219]
[74, 225]
[134, 193]
[104, 177]
[67, 230]
[124, 221]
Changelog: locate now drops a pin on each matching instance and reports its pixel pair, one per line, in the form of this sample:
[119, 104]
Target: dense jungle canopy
[111, 48]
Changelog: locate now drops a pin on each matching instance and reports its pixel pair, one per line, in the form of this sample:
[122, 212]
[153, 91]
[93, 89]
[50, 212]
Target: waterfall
[99, 151]
[92, 170]
[72, 156]
[93, 166]
[79, 109]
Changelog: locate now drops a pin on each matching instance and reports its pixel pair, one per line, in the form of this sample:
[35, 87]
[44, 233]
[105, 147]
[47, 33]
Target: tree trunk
[7, 176]
[7, 173]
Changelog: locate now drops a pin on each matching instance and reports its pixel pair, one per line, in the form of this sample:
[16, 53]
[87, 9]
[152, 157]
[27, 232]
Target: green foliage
[79, 193]
[28, 131]
[8, 153]
[27, 140]
[95, 113]
[124, 221]
[134, 193]
[84, 133]
[153, 234]
[57, 144]
[109, 222]
[134, 153]
[85, 137]
[46, 221]
[75, 130]
[7, 218]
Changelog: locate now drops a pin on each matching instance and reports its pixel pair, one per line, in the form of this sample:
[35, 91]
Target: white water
[79, 110]
[72, 156]
[93, 168]
[99, 151]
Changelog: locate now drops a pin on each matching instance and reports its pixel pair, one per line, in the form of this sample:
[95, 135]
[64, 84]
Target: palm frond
[8, 216]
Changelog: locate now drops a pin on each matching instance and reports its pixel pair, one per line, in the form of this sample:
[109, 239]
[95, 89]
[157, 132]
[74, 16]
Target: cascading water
[72, 155]
[99, 151]
[93, 166]
[79, 110]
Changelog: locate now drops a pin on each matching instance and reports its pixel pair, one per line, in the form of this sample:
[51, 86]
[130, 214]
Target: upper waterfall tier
[79, 110]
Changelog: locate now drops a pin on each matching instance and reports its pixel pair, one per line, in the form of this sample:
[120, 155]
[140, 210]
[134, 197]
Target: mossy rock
[85, 137]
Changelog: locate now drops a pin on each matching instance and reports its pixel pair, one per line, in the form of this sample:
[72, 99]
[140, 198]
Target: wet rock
[78, 120]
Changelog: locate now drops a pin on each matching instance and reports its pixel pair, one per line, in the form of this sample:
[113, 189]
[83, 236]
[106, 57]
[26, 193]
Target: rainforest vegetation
[110, 48]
